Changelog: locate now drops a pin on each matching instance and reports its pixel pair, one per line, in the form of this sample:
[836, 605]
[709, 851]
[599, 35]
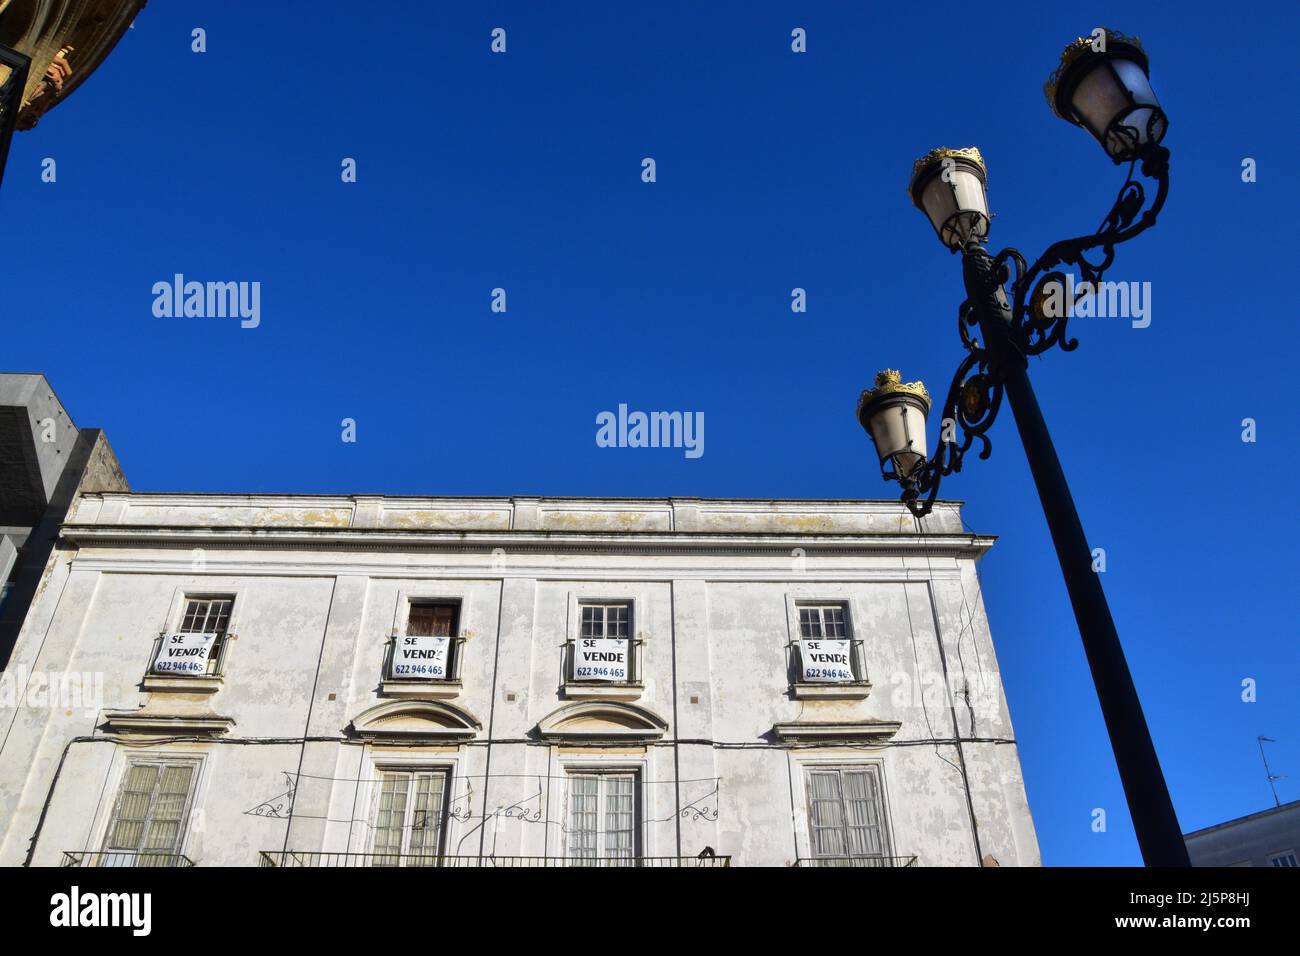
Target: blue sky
[774, 171]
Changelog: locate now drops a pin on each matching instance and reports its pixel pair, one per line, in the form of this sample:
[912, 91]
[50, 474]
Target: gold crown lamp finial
[937, 155]
[1080, 47]
[889, 381]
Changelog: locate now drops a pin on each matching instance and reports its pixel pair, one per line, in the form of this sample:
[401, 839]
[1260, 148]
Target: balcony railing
[120, 858]
[291, 858]
[856, 861]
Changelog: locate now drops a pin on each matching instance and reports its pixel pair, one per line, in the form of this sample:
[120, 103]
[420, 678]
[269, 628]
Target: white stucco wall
[1248, 841]
[320, 584]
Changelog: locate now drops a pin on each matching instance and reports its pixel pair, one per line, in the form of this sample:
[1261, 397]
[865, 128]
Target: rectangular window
[828, 621]
[428, 648]
[826, 651]
[432, 620]
[411, 817]
[148, 824]
[603, 818]
[1286, 858]
[206, 615]
[610, 621]
[194, 650]
[846, 816]
[603, 650]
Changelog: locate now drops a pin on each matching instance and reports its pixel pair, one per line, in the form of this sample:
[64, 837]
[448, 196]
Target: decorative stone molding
[557, 517]
[589, 690]
[849, 731]
[415, 721]
[301, 539]
[171, 725]
[167, 683]
[421, 689]
[601, 722]
[845, 690]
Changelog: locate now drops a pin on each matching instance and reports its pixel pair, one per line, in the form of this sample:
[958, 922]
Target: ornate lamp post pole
[1102, 85]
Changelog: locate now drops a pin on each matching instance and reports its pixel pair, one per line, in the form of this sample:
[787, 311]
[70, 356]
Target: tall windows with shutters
[603, 818]
[847, 824]
[410, 818]
[151, 813]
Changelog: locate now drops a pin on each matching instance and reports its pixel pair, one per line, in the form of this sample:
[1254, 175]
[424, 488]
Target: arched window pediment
[415, 720]
[601, 721]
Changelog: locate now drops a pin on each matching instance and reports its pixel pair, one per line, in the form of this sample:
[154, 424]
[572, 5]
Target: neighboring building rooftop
[1268, 838]
[45, 463]
[36, 437]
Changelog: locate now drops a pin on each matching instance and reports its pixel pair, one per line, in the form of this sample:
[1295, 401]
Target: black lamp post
[1102, 85]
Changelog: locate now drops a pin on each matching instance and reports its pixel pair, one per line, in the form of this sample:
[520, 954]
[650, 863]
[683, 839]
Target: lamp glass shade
[949, 189]
[1108, 92]
[898, 430]
[1115, 102]
[893, 413]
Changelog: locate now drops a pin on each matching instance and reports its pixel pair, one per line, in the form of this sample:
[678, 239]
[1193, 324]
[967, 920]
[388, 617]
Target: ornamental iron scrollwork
[1036, 331]
[1031, 328]
[276, 807]
[703, 808]
[519, 811]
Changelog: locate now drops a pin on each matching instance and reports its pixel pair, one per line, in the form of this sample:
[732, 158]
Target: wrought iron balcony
[125, 858]
[856, 861]
[292, 858]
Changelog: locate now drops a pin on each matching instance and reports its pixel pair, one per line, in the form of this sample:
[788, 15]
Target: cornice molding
[867, 731]
[128, 722]
[630, 542]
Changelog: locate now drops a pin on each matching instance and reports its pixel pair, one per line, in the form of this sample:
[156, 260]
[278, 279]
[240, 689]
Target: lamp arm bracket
[975, 395]
[969, 410]
[1037, 333]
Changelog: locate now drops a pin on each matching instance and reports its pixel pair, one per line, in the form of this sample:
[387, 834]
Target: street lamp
[1102, 84]
[948, 186]
[894, 413]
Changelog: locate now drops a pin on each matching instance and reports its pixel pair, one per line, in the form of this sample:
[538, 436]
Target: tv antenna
[1272, 777]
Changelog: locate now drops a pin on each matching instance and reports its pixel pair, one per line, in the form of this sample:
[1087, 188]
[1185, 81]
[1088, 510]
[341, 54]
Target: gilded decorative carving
[939, 154]
[66, 41]
[890, 382]
[1071, 54]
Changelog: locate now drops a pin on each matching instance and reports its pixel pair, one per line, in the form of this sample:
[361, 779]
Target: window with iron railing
[430, 647]
[197, 648]
[826, 660]
[151, 813]
[603, 650]
[603, 817]
[411, 816]
[317, 858]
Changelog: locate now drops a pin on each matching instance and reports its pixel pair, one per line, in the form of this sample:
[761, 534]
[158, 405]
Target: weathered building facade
[302, 680]
[1268, 838]
[46, 462]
